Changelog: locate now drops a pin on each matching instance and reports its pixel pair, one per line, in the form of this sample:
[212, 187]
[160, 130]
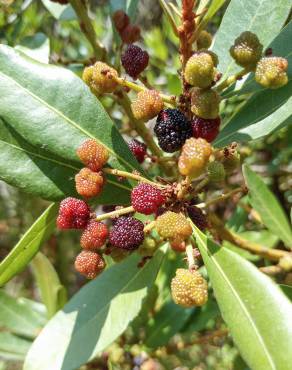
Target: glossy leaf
[13, 347]
[263, 17]
[53, 293]
[58, 112]
[96, 316]
[287, 289]
[19, 317]
[268, 207]
[29, 244]
[257, 313]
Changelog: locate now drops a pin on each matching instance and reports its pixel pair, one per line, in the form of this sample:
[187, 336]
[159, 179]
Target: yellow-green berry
[147, 105]
[200, 70]
[204, 40]
[171, 225]
[148, 247]
[247, 50]
[231, 160]
[271, 72]
[216, 171]
[103, 78]
[205, 103]
[286, 263]
[189, 288]
[87, 75]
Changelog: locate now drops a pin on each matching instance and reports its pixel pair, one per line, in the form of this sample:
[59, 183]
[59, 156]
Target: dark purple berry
[134, 60]
[127, 233]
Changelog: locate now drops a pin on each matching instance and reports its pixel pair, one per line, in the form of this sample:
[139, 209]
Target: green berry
[231, 160]
[271, 72]
[204, 40]
[200, 70]
[173, 226]
[247, 50]
[205, 103]
[148, 247]
[100, 78]
[216, 171]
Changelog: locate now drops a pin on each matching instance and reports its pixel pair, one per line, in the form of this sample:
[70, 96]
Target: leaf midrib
[241, 304]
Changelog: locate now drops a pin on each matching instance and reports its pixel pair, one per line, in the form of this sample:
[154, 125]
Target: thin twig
[117, 213]
[129, 175]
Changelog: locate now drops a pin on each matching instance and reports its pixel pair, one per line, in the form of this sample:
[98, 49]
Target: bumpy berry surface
[172, 129]
[73, 214]
[205, 103]
[198, 217]
[194, 157]
[130, 34]
[103, 78]
[189, 288]
[87, 75]
[127, 233]
[138, 149]
[147, 105]
[247, 50]
[207, 129]
[200, 71]
[146, 198]
[88, 183]
[93, 155]
[204, 40]
[271, 72]
[89, 264]
[94, 236]
[216, 171]
[173, 226]
[121, 20]
[134, 60]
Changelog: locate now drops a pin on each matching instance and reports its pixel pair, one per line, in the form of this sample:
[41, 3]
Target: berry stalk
[231, 80]
[131, 176]
[117, 213]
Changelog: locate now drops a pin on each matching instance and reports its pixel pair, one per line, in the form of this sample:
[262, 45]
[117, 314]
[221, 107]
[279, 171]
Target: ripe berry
[200, 69]
[173, 226]
[216, 171]
[94, 236]
[198, 217]
[247, 50]
[205, 103]
[194, 157]
[93, 154]
[271, 72]
[172, 129]
[138, 149]
[130, 34]
[146, 198]
[147, 105]
[204, 40]
[73, 214]
[120, 20]
[127, 233]
[101, 78]
[89, 183]
[189, 288]
[207, 129]
[134, 60]
[89, 264]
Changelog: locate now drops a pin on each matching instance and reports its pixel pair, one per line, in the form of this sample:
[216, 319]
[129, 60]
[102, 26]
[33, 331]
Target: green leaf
[95, 316]
[287, 290]
[58, 11]
[257, 313]
[129, 6]
[53, 293]
[268, 207]
[37, 47]
[18, 316]
[58, 113]
[12, 347]
[248, 15]
[29, 244]
[212, 10]
[165, 324]
[203, 318]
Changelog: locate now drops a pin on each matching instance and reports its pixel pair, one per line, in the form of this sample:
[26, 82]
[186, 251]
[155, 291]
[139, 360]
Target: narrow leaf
[268, 207]
[257, 313]
[12, 347]
[287, 289]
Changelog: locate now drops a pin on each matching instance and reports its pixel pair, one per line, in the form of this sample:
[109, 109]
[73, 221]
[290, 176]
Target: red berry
[93, 154]
[94, 236]
[130, 34]
[127, 233]
[207, 129]
[146, 198]
[89, 264]
[89, 183]
[121, 20]
[138, 149]
[134, 60]
[73, 214]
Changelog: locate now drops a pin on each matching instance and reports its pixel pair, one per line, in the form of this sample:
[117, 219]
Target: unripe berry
[198, 218]
[87, 75]
[73, 214]
[88, 183]
[194, 157]
[102, 79]
[205, 103]
[93, 154]
[173, 226]
[286, 263]
[127, 233]
[230, 160]
[130, 34]
[147, 105]
[89, 264]
[178, 245]
[189, 288]
[121, 20]
[247, 50]
[138, 149]
[216, 171]
[134, 60]
[204, 40]
[200, 70]
[207, 129]
[118, 254]
[271, 72]
[148, 247]
[146, 199]
[94, 236]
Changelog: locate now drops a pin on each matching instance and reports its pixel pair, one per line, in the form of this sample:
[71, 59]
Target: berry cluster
[128, 32]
